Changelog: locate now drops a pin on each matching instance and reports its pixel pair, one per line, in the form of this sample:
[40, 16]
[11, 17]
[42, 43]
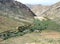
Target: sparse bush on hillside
[37, 25]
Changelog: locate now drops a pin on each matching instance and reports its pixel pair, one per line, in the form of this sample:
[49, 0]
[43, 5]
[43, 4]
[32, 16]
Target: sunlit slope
[13, 14]
[53, 13]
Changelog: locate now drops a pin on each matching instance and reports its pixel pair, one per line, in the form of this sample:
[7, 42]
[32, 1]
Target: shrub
[39, 25]
[22, 30]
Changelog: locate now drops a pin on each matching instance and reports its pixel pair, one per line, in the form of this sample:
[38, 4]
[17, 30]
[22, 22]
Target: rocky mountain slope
[14, 14]
[15, 9]
[39, 9]
[10, 19]
[53, 12]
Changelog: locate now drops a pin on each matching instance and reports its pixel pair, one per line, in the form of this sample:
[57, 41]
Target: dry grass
[45, 37]
[8, 24]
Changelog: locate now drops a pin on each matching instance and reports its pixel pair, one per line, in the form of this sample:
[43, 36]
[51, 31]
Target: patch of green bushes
[39, 25]
[22, 30]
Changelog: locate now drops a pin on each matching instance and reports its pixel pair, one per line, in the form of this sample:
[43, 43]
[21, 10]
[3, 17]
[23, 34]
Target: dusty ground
[53, 35]
[35, 38]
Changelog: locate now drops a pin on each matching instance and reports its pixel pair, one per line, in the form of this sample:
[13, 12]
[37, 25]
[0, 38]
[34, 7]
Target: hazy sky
[43, 2]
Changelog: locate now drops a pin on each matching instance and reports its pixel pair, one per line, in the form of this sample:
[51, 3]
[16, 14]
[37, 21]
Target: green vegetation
[30, 30]
[37, 26]
[53, 26]
[31, 38]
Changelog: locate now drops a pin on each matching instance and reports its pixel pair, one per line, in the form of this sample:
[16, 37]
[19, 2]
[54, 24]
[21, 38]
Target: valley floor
[46, 37]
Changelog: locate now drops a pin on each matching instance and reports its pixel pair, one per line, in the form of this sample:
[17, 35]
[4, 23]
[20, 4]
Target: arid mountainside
[53, 12]
[14, 17]
[39, 9]
[15, 9]
[14, 14]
